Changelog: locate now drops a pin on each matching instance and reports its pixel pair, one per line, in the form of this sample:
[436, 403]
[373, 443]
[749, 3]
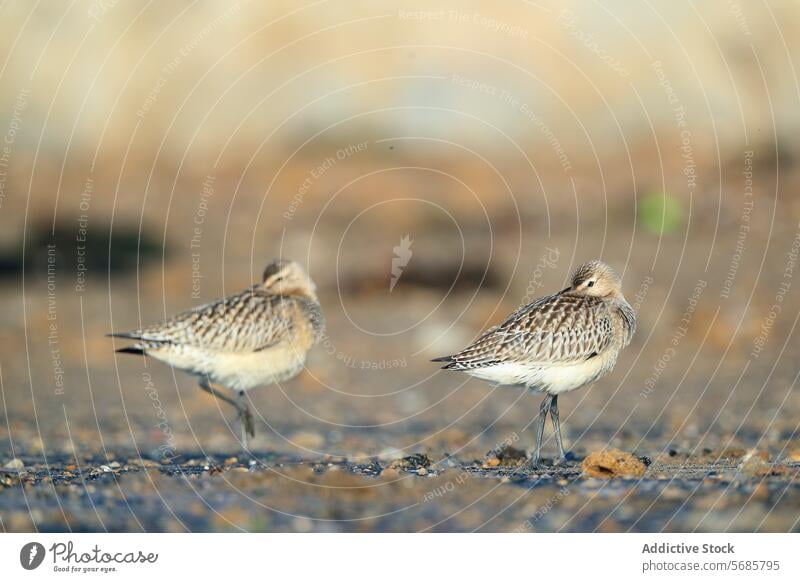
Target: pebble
[754, 464]
[612, 463]
[15, 464]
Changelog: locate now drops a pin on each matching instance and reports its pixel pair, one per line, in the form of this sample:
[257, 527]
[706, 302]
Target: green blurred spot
[660, 213]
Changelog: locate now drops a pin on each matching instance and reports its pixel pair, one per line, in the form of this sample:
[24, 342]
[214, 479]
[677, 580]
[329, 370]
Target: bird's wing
[249, 321]
[557, 329]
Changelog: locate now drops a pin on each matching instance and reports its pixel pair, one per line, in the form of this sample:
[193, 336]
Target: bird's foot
[566, 460]
[535, 464]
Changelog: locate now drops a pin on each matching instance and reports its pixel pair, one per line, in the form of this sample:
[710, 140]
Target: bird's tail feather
[139, 350]
[126, 334]
[449, 362]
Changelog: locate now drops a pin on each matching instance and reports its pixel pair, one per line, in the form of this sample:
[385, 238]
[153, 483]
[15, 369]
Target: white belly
[237, 371]
[553, 379]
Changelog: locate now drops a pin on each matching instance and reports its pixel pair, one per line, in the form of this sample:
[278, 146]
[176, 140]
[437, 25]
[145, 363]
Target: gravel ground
[732, 490]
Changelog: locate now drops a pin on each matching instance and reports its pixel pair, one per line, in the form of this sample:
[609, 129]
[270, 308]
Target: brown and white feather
[255, 337]
[556, 343]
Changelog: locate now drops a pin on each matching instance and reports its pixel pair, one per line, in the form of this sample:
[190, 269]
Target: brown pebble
[612, 463]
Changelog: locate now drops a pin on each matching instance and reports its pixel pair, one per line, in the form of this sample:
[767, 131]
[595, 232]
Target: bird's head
[597, 279]
[285, 277]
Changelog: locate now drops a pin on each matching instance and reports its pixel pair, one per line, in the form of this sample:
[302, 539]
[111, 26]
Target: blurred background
[434, 168]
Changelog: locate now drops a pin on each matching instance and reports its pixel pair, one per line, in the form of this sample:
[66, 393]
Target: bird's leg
[245, 416]
[557, 426]
[544, 408]
[206, 385]
[248, 426]
[245, 440]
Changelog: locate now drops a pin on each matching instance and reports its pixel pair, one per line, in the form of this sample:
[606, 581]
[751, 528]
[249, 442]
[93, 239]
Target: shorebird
[555, 344]
[259, 336]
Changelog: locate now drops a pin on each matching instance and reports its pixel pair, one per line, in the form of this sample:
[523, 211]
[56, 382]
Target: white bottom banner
[400, 556]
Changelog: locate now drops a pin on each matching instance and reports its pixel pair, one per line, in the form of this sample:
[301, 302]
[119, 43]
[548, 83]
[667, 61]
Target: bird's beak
[564, 290]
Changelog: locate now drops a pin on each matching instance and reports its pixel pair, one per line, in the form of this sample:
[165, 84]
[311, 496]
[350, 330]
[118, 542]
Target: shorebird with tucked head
[259, 336]
[555, 344]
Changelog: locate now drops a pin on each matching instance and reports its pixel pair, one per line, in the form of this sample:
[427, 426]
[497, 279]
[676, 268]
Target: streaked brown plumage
[258, 336]
[557, 343]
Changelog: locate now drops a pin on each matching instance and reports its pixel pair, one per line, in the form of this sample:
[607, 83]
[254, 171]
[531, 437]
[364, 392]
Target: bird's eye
[590, 284]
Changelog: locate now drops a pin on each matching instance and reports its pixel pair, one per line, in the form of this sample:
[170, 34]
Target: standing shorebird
[259, 336]
[558, 343]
